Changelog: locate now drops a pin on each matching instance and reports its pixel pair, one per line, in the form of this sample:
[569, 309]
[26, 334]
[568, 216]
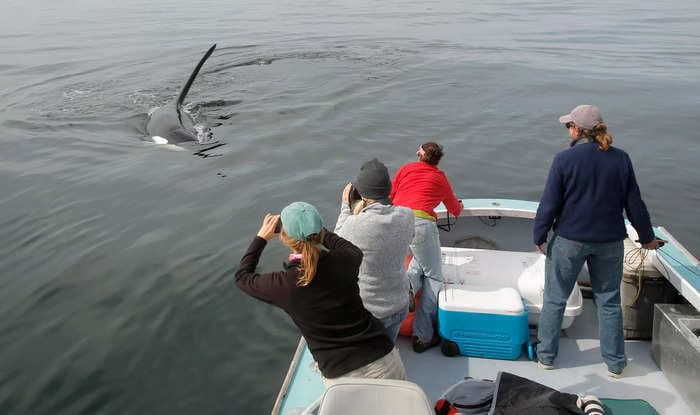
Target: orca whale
[169, 124]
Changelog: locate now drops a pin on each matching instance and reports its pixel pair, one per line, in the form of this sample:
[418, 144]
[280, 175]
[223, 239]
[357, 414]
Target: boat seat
[374, 396]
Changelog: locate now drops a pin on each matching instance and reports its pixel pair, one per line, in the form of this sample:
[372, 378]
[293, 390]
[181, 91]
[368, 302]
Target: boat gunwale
[673, 273]
[289, 376]
[679, 246]
[492, 207]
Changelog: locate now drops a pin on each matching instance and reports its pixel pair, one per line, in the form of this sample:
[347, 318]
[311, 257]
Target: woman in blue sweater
[588, 188]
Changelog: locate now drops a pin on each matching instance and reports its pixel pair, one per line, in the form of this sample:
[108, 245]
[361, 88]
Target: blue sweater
[586, 192]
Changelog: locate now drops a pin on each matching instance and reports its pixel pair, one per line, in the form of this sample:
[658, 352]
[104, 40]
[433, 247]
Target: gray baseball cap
[585, 116]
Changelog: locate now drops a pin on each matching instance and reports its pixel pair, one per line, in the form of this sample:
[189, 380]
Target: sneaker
[545, 366]
[590, 405]
[420, 346]
[615, 375]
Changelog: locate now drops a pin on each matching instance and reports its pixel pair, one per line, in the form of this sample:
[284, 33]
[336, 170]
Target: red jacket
[423, 186]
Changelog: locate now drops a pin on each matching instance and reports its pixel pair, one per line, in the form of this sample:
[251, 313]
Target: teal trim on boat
[679, 267]
[304, 387]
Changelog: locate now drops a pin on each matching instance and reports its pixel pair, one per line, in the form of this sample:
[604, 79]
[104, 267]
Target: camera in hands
[278, 226]
[354, 197]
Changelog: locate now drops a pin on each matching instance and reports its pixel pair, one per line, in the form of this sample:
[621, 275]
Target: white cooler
[523, 271]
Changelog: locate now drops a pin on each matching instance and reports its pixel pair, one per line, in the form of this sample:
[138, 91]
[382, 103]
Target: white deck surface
[580, 369]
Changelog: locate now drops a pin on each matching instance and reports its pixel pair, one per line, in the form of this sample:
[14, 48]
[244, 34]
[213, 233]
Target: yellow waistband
[423, 214]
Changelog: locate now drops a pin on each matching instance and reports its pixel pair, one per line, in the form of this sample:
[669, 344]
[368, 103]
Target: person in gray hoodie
[383, 232]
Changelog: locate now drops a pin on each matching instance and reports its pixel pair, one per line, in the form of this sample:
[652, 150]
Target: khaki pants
[389, 366]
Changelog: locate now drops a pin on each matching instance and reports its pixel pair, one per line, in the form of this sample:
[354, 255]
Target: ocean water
[117, 256]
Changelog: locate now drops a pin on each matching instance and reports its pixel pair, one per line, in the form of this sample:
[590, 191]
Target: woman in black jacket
[319, 291]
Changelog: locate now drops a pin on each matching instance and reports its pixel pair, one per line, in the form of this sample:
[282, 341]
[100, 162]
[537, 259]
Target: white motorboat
[491, 243]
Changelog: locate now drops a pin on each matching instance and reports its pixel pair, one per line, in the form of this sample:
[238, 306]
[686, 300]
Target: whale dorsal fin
[186, 88]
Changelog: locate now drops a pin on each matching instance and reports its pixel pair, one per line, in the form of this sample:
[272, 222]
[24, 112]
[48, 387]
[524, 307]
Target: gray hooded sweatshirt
[383, 233]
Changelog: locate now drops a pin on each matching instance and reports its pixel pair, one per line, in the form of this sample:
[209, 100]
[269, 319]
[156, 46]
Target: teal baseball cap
[300, 220]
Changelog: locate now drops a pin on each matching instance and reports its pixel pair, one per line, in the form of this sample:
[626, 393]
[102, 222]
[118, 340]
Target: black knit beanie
[373, 180]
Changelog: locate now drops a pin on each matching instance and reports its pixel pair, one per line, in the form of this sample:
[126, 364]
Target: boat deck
[580, 369]
[502, 224]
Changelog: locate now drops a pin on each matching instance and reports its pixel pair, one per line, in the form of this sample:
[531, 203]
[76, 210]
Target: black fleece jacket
[341, 334]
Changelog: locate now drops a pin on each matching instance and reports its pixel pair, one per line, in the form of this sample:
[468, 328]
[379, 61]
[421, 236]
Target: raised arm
[266, 287]
[345, 212]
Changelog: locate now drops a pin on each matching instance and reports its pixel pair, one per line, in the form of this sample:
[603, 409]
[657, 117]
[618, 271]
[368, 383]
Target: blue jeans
[392, 323]
[565, 259]
[425, 271]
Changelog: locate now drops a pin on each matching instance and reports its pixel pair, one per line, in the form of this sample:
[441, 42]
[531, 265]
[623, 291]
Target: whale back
[168, 123]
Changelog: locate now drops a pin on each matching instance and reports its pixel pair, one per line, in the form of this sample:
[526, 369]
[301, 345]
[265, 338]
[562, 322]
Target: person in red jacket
[421, 186]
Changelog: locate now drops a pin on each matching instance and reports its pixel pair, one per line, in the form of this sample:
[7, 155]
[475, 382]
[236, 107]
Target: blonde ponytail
[600, 135]
[310, 253]
[359, 205]
[363, 203]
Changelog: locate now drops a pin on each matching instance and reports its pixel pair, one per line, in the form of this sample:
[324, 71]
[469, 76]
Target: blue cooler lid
[481, 299]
